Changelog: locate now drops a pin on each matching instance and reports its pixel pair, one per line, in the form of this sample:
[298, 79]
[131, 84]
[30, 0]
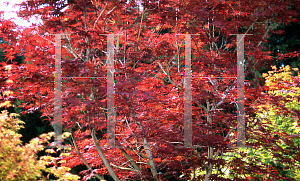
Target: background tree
[285, 40]
[282, 119]
[277, 121]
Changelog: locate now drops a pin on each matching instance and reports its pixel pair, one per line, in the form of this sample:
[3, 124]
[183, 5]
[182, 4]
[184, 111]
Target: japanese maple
[149, 75]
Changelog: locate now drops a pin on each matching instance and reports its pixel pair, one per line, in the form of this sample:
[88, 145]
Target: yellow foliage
[19, 162]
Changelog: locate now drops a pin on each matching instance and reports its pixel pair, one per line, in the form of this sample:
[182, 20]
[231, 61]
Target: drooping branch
[84, 161]
[99, 149]
[135, 166]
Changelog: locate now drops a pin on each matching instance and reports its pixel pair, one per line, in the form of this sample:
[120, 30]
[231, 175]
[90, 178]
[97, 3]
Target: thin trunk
[210, 149]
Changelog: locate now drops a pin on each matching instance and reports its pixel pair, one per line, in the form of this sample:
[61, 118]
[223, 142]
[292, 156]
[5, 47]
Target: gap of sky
[10, 12]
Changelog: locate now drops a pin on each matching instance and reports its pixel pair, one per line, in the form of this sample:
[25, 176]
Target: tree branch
[106, 163]
[148, 152]
[135, 166]
[99, 17]
[84, 161]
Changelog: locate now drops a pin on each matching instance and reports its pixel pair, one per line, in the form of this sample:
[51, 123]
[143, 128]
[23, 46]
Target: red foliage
[149, 80]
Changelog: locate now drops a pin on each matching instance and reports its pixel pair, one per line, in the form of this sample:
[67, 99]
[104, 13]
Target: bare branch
[99, 16]
[123, 168]
[161, 67]
[226, 93]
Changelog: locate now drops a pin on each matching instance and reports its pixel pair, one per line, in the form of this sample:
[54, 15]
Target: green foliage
[276, 118]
